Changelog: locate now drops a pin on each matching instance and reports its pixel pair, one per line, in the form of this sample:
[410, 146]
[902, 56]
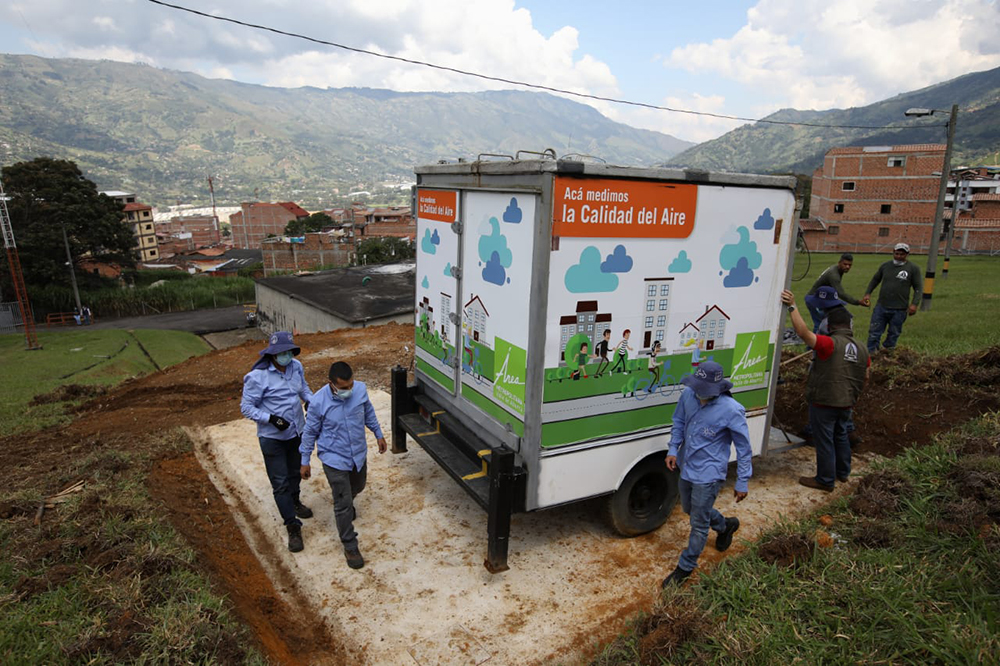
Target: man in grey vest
[836, 378]
[894, 304]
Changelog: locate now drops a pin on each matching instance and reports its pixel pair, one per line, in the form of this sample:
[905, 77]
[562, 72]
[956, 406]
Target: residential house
[256, 221]
[712, 328]
[656, 310]
[139, 217]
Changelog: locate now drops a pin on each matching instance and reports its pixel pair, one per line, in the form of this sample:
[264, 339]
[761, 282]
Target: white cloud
[817, 54]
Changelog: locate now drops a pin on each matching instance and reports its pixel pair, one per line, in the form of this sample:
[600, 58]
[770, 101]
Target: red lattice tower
[30, 336]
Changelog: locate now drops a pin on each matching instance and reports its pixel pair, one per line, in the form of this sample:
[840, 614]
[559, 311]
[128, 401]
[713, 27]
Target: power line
[514, 82]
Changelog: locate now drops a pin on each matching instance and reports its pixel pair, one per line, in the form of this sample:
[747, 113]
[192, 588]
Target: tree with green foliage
[47, 195]
[313, 223]
[387, 250]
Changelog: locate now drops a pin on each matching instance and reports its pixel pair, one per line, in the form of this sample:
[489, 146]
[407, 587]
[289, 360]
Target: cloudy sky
[735, 58]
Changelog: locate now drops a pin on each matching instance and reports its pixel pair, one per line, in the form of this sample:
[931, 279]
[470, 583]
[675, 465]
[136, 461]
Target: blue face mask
[284, 358]
[344, 394]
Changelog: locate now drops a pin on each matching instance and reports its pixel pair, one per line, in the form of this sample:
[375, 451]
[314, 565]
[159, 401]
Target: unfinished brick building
[201, 230]
[256, 221]
[866, 199]
[313, 251]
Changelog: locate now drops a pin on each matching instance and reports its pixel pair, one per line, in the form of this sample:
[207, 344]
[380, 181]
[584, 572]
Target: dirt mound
[975, 507]
[670, 626]
[909, 398]
[878, 494]
[875, 534]
[786, 550]
[68, 393]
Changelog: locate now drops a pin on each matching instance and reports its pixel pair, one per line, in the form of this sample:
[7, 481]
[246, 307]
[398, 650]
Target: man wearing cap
[338, 416]
[273, 393]
[831, 278]
[894, 304]
[707, 421]
[836, 378]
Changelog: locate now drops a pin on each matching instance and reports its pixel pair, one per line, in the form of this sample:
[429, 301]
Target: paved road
[193, 321]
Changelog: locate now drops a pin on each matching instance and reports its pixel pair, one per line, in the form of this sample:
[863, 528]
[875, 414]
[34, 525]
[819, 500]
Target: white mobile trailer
[528, 270]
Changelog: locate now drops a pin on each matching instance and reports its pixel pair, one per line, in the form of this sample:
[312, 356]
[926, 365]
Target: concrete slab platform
[424, 596]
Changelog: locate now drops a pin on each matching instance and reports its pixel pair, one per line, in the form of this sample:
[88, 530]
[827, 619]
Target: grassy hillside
[161, 133]
[766, 148]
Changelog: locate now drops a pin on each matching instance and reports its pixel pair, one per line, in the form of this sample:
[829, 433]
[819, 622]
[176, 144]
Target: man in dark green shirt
[832, 277]
[894, 303]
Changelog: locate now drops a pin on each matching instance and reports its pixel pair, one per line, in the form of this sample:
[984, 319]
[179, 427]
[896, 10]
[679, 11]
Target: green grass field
[905, 570]
[963, 313]
[79, 357]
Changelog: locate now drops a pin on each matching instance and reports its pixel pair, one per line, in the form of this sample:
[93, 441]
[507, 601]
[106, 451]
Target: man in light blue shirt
[706, 421]
[338, 415]
[273, 393]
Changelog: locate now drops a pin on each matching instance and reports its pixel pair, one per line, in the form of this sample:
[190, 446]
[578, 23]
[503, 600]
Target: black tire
[645, 499]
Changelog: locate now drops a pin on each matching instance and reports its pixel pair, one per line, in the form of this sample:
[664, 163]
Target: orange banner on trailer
[609, 208]
[440, 205]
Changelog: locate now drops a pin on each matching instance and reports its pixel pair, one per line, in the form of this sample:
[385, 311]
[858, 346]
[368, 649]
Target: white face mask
[284, 358]
[897, 262]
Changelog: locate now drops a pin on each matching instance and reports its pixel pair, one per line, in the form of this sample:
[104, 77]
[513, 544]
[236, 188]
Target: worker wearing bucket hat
[894, 304]
[707, 422]
[273, 393]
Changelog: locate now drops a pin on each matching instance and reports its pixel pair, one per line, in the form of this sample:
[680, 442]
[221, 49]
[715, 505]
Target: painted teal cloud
[680, 264]
[427, 244]
[743, 249]
[586, 277]
[495, 242]
[425, 283]
[447, 270]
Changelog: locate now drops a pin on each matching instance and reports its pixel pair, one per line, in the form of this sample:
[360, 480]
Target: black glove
[278, 422]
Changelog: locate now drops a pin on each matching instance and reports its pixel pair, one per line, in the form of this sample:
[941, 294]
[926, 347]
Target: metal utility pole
[72, 271]
[951, 226]
[215, 217]
[932, 252]
[27, 317]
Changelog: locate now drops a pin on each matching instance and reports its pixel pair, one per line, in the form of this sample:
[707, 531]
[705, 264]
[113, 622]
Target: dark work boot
[295, 538]
[676, 577]
[302, 511]
[725, 538]
[354, 559]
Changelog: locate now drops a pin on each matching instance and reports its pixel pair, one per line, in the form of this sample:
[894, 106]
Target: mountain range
[770, 148]
[161, 133]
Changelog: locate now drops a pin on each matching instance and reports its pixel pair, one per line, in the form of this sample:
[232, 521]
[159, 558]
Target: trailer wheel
[645, 499]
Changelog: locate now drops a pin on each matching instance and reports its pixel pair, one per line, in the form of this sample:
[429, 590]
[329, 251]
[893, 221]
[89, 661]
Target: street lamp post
[932, 252]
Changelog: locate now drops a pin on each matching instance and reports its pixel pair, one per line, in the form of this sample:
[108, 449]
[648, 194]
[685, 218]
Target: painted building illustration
[656, 309]
[712, 327]
[587, 321]
[689, 336]
[445, 309]
[475, 316]
[425, 314]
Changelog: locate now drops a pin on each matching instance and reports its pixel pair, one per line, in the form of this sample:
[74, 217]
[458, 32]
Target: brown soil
[908, 399]
[68, 392]
[136, 415]
[670, 626]
[878, 494]
[786, 550]
[875, 534]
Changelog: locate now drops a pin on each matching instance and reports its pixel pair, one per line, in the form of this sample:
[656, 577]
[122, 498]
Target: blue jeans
[281, 459]
[880, 318]
[698, 500]
[833, 450]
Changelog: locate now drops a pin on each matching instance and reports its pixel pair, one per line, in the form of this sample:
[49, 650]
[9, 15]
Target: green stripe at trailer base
[491, 408]
[438, 376]
[605, 425]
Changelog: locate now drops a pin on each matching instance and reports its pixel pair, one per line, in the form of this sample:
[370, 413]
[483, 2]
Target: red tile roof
[129, 207]
[294, 209]
[811, 224]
